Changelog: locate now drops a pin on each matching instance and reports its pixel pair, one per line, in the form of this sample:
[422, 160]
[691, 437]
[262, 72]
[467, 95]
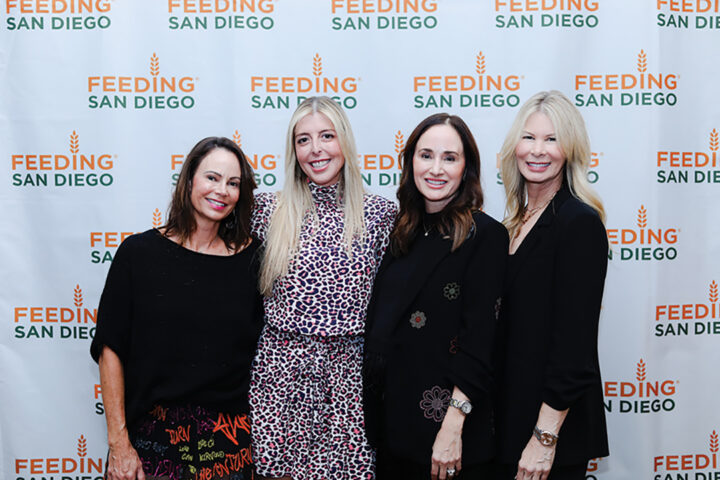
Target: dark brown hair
[235, 228]
[456, 218]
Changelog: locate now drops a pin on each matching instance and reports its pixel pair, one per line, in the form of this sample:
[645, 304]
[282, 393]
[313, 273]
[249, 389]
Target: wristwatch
[546, 438]
[462, 405]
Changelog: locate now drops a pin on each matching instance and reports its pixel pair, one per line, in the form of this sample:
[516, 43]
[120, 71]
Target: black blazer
[431, 325]
[548, 333]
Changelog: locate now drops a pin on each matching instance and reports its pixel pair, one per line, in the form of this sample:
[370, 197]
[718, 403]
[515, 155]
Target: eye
[450, 158]
[328, 136]
[301, 140]
[211, 177]
[234, 183]
[425, 155]
[527, 137]
[551, 139]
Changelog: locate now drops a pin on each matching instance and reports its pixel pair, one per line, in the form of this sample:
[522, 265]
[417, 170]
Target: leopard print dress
[306, 386]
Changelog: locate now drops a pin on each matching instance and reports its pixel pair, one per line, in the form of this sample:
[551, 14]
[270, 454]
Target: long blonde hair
[295, 199]
[573, 139]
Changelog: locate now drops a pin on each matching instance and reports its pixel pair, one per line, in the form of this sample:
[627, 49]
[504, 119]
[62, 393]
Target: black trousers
[557, 472]
[390, 467]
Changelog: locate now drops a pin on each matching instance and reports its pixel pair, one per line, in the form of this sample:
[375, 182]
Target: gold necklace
[528, 214]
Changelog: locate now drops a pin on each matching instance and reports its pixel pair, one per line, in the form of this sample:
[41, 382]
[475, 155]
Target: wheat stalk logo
[714, 140]
[714, 441]
[317, 65]
[642, 217]
[78, 297]
[713, 292]
[157, 218]
[399, 142]
[642, 62]
[82, 446]
[237, 138]
[480, 63]
[74, 142]
[640, 375]
[154, 65]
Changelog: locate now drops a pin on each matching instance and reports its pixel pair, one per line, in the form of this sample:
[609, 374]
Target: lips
[319, 165]
[216, 204]
[538, 165]
[435, 183]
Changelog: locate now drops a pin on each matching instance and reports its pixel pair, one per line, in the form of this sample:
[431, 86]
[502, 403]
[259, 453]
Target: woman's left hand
[447, 449]
[536, 461]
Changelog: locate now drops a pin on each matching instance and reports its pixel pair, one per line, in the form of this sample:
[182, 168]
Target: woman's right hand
[124, 463]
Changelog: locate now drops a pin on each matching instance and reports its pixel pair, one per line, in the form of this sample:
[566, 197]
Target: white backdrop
[101, 99]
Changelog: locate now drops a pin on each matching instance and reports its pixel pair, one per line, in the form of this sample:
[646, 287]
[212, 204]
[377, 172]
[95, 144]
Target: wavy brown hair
[456, 219]
[235, 228]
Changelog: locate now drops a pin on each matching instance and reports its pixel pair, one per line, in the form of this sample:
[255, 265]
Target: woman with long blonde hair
[323, 241]
[549, 375]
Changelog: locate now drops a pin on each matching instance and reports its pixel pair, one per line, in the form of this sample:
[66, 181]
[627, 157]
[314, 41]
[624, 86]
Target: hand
[536, 461]
[447, 449]
[124, 463]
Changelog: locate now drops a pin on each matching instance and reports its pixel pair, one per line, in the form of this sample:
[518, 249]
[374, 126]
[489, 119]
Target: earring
[230, 223]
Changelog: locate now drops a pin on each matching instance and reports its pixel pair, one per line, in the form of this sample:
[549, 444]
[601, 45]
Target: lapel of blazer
[539, 230]
[428, 253]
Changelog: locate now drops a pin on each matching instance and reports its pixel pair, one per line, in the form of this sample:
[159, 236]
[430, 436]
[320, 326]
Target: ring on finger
[451, 471]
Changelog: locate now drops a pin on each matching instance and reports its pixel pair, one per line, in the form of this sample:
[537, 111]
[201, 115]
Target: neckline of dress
[324, 193]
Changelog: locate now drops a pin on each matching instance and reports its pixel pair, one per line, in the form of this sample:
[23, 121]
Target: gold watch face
[546, 439]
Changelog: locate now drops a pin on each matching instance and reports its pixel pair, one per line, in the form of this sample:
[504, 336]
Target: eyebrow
[219, 174]
[321, 131]
[446, 151]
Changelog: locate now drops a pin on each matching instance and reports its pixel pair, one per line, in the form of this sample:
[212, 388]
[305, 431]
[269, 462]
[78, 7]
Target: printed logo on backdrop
[221, 14]
[643, 243]
[593, 469]
[71, 169]
[593, 174]
[384, 14]
[71, 321]
[689, 319]
[641, 395]
[98, 405]
[626, 89]
[263, 164]
[478, 89]
[77, 466]
[546, 13]
[382, 169]
[694, 464]
[690, 167]
[695, 14]
[104, 244]
[287, 92]
[57, 14]
[141, 92]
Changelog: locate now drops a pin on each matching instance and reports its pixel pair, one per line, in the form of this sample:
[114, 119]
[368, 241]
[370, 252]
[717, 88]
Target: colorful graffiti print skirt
[194, 443]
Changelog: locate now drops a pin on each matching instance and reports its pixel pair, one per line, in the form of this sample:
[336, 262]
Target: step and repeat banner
[100, 100]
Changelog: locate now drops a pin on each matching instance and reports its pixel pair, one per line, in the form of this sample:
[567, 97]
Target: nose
[316, 149]
[538, 147]
[222, 188]
[436, 167]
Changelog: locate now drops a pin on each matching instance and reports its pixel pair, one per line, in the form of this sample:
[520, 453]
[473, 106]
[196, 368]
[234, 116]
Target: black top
[549, 329]
[431, 326]
[184, 324]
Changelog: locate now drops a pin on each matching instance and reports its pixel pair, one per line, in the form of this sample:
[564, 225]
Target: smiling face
[215, 186]
[318, 150]
[438, 166]
[540, 158]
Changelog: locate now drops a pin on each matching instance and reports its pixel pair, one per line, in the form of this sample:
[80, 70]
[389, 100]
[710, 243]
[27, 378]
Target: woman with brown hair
[433, 314]
[177, 327]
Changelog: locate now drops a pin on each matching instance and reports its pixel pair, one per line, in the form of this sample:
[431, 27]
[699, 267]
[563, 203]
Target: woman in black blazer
[551, 418]
[433, 314]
